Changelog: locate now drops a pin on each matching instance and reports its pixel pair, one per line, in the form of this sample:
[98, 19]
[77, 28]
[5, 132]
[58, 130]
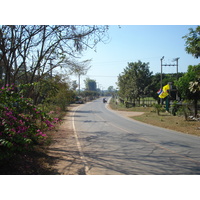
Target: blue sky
[131, 43]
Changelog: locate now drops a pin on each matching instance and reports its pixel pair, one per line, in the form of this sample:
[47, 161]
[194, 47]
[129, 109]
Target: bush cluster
[22, 124]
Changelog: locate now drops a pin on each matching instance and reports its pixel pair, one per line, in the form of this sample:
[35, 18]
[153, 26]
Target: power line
[127, 60]
[101, 76]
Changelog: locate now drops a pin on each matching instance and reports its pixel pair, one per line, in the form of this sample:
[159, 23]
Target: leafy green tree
[111, 91]
[60, 93]
[185, 88]
[135, 81]
[122, 84]
[193, 42]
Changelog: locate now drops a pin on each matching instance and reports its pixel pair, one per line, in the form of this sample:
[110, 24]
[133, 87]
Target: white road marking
[79, 145]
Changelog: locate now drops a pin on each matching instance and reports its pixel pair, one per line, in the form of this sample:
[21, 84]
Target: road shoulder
[64, 148]
[126, 114]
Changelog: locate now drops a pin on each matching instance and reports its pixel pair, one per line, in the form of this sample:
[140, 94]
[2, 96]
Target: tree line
[137, 81]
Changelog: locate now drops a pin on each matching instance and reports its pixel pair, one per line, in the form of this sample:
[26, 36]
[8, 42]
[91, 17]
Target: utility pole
[161, 72]
[79, 83]
[176, 59]
[176, 65]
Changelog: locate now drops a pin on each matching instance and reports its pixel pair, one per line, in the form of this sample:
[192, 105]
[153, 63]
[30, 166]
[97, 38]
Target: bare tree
[79, 68]
[29, 53]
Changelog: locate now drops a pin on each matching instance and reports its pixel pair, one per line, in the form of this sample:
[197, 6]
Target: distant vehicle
[104, 100]
[79, 100]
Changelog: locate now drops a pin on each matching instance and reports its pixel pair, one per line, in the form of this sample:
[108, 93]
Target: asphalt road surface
[110, 144]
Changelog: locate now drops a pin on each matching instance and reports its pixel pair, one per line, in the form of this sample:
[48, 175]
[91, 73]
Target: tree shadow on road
[129, 154]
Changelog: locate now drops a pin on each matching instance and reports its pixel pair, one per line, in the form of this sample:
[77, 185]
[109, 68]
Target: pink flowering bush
[22, 124]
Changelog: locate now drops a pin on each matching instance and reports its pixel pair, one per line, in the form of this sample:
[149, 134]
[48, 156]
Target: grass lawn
[165, 120]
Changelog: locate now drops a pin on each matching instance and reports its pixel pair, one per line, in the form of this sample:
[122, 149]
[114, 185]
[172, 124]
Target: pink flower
[40, 133]
[56, 120]
[48, 123]
[21, 122]
[13, 130]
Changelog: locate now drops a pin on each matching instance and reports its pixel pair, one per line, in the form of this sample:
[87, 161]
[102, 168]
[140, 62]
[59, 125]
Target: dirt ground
[128, 113]
[64, 148]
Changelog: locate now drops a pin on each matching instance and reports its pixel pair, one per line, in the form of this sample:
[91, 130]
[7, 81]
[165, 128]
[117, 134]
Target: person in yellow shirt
[165, 92]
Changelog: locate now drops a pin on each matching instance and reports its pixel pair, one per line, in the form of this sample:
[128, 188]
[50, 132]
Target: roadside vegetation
[164, 119]
[35, 89]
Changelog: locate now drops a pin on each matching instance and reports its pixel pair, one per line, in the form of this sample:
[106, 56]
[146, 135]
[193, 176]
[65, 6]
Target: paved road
[112, 144]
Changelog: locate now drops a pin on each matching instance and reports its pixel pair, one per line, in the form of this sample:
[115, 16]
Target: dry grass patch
[164, 120]
[168, 121]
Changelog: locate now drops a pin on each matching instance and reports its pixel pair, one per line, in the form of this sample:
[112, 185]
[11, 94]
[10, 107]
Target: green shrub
[184, 110]
[22, 124]
[158, 108]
